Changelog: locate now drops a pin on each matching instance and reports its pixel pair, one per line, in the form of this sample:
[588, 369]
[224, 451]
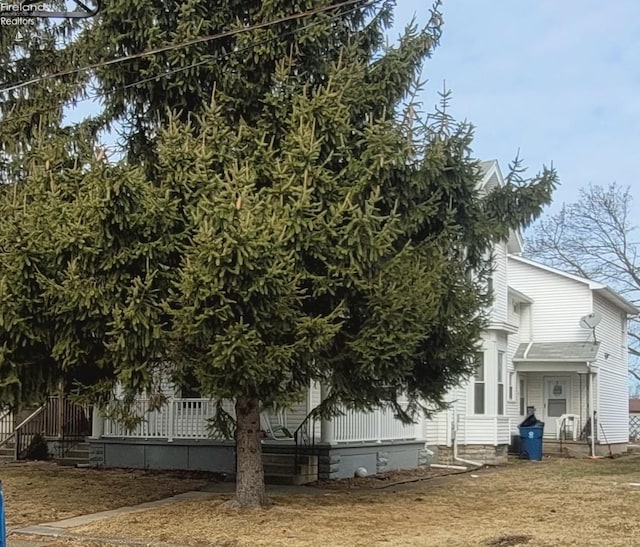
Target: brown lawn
[44, 492]
[556, 502]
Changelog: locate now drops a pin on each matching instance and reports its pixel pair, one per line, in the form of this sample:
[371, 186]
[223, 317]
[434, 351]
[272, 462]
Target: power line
[181, 69]
[170, 47]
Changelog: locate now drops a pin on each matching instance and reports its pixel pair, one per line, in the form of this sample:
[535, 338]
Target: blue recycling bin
[531, 430]
[3, 530]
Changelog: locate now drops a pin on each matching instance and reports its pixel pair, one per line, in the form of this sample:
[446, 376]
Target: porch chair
[274, 432]
[568, 423]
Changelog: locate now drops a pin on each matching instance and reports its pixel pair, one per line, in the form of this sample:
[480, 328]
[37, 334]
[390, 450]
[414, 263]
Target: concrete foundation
[213, 456]
[333, 461]
[342, 461]
[482, 453]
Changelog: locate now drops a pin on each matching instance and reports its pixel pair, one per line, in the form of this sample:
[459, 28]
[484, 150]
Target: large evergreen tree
[279, 216]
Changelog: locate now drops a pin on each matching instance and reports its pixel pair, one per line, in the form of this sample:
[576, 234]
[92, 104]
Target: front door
[556, 401]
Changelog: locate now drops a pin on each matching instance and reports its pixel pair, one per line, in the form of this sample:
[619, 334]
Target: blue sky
[558, 79]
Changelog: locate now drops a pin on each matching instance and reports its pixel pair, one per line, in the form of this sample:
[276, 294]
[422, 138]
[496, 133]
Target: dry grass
[559, 502]
[44, 492]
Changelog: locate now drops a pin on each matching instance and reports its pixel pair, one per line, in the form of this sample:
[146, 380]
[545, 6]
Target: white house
[538, 358]
[535, 357]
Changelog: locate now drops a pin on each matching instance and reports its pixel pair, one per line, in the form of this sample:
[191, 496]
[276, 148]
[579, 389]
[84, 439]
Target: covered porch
[558, 382]
[189, 418]
[294, 444]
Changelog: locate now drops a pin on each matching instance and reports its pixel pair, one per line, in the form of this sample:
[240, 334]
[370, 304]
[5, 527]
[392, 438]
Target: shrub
[38, 448]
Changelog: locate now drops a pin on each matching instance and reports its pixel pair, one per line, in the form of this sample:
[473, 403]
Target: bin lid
[531, 421]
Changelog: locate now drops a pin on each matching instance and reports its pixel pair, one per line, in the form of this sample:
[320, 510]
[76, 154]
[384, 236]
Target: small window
[522, 395]
[501, 374]
[512, 386]
[478, 385]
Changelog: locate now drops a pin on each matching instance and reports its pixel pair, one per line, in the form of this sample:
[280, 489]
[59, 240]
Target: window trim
[512, 392]
[479, 383]
[501, 398]
[522, 395]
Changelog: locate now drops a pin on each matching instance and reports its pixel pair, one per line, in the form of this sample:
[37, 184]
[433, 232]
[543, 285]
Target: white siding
[513, 410]
[499, 311]
[559, 302]
[438, 427]
[611, 333]
[513, 312]
[613, 387]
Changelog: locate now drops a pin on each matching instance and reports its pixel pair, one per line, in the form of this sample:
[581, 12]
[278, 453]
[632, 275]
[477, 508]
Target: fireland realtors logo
[27, 12]
[19, 13]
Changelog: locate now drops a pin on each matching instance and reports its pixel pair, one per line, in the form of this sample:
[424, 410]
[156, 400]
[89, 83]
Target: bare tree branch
[595, 238]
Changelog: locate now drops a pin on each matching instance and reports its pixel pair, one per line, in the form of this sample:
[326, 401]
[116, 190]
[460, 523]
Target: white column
[170, 419]
[97, 423]
[326, 425]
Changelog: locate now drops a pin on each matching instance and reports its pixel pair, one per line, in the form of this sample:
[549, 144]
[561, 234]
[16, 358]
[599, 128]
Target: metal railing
[305, 440]
[59, 420]
[27, 430]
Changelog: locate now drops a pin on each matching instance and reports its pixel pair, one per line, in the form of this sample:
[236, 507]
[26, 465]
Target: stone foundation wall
[340, 462]
[483, 453]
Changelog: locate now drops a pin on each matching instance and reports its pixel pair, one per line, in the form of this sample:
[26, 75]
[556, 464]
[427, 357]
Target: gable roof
[606, 292]
[491, 176]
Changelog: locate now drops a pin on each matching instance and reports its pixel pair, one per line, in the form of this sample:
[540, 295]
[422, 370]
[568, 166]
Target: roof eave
[618, 300]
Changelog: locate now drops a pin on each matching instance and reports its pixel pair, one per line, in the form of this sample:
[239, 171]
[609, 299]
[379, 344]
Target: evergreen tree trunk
[250, 489]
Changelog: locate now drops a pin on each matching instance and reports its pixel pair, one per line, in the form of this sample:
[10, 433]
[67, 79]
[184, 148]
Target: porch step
[8, 451]
[282, 468]
[78, 455]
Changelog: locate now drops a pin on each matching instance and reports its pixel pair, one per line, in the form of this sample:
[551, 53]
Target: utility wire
[170, 47]
[181, 69]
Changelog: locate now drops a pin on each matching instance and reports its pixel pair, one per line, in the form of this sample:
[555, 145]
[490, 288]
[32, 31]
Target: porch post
[592, 411]
[326, 425]
[60, 428]
[97, 423]
[170, 418]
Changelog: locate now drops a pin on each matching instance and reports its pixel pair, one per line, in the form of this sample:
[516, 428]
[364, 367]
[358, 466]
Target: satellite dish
[590, 321]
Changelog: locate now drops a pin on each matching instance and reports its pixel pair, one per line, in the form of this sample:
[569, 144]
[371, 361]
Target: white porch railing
[7, 425]
[178, 419]
[377, 426]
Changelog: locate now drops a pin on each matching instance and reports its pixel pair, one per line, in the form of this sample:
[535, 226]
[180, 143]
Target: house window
[522, 395]
[478, 385]
[189, 392]
[501, 375]
[190, 388]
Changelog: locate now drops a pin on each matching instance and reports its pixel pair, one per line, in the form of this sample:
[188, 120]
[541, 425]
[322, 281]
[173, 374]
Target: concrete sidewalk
[60, 528]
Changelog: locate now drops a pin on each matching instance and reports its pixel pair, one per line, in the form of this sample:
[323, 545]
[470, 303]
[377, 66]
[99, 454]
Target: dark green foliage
[291, 219]
[37, 449]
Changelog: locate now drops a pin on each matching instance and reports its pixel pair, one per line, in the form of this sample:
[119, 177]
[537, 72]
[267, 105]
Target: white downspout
[450, 428]
[455, 444]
